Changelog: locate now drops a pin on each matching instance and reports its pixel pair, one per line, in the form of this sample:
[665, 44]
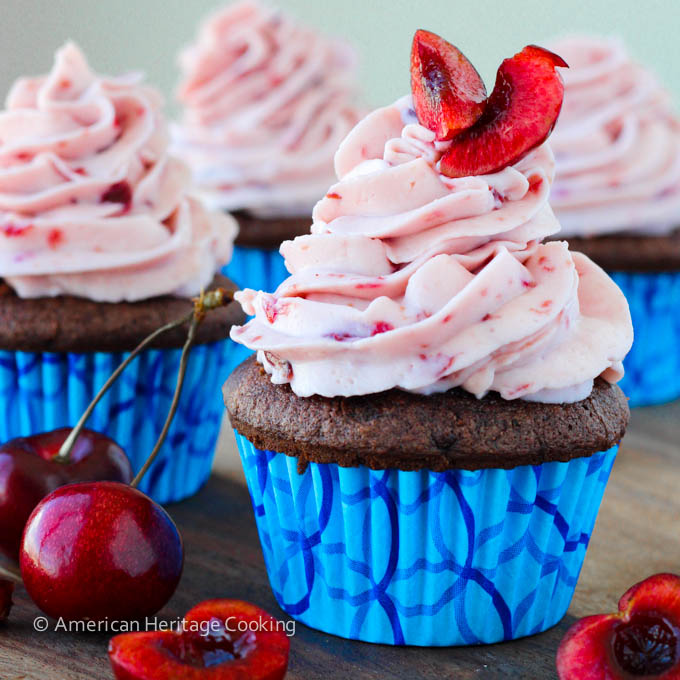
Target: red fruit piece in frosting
[120, 192]
[448, 93]
[641, 640]
[520, 114]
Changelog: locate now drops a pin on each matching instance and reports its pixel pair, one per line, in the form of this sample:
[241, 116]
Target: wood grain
[635, 536]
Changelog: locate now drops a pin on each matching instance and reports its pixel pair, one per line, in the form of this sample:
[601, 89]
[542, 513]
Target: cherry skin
[28, 472]
[519, 115]
[221, 640]
[99, 550]
[6, 590]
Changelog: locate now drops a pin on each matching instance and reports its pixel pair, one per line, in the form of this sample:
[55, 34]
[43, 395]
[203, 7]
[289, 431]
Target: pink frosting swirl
[410, 279]
[91, 204]
[266, 103]
[617, 144]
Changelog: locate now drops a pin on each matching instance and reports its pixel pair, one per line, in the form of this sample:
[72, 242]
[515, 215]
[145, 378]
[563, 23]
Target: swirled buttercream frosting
[266, 102]
[413, 280]
[91, 204]
[617, 144]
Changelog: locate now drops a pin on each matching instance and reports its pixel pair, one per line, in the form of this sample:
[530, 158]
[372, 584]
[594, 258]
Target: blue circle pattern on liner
[44, 391]
[256, 268]
[424, 558]
[653, 364]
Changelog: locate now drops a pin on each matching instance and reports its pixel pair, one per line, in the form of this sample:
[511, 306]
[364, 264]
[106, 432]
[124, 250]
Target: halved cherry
[520, 114]
[448, 93]
[641, 640]
[6, 590]
[221, 639]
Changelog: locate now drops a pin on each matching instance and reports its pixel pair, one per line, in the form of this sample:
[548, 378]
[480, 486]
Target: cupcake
[430, 420]
[99, 245]
[266, 102]
[617, 196]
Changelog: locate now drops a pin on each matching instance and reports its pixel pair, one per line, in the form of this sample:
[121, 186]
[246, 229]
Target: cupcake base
[424, 558]
[44, 391]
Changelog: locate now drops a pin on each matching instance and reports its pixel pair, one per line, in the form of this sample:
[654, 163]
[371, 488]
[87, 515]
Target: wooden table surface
[635, 536]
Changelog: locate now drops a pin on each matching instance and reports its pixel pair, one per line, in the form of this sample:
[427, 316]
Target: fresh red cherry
[519, 115]
[448, 93]
[100, 550]
[6, 590]
[641, 640]
[30, 469]
[221, 640]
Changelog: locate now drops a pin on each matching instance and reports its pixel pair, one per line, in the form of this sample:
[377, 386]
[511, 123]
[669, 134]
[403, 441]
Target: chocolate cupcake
[617, 196]
[429, 425]
[100, 245]
[266, 102]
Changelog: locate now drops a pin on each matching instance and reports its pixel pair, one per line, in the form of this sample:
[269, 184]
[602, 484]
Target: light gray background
[121, 35]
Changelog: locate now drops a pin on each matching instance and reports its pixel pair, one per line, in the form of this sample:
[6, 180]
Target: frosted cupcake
[99, 245]
[430, 422]
[266, 102]
[617, 196]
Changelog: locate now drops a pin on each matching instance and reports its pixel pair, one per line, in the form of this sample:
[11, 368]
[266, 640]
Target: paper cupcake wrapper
[44, 391]
[424, 558]
[256, 268]
[653, 364]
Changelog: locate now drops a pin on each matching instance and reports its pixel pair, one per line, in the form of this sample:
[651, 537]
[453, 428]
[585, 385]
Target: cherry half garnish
[448, 93]
[641, 640]
[31, 468]
[6, 590]
[221, 639]
[519, 115]
[103, 550]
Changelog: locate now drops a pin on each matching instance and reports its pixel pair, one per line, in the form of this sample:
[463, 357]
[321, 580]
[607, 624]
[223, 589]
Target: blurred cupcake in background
[266, 103]
[617, 196]
[100, 244]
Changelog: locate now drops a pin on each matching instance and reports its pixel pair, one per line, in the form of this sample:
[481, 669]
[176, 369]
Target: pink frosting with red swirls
[616, 143]
[266, 103]
[91, 204]
[413, 280]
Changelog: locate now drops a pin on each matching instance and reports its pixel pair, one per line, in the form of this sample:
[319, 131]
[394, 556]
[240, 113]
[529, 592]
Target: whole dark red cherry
[29, 471]
[99, 550]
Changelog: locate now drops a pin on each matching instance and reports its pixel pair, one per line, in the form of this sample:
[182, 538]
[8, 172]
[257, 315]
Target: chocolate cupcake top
[398, 429]
[91, 204]
[266, 102]
[617, 145]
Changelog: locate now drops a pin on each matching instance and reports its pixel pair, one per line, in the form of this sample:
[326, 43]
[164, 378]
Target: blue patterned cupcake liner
[256, 268]
[43, 391]
[424, 558]
[653, 364]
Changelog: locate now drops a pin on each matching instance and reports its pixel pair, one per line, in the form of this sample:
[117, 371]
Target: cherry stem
[204, 303]
[184, 360]
[9, 574]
